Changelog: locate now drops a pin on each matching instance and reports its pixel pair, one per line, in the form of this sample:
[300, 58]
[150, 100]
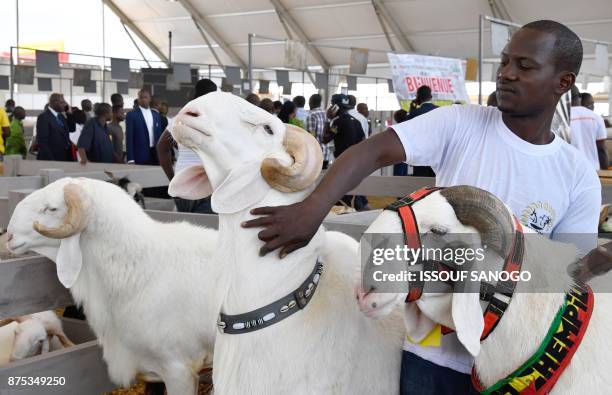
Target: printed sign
[445, 77]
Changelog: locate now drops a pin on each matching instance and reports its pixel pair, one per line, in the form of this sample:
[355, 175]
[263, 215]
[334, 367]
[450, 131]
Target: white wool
[329, 347]
[147, 287]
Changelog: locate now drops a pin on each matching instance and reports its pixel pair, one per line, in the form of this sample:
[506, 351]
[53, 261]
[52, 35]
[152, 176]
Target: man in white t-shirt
[509, 151]
[588, 133]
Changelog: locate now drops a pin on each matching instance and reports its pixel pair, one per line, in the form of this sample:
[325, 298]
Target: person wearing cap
[342, 127]
[345, 131]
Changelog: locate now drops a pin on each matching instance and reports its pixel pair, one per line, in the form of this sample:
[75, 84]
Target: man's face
[120, 115]
[86, 105]
[119, 101]
[527, 79]
[107, 116]
[363, 109]
[144, 99]
[19, 113]
[57, 103]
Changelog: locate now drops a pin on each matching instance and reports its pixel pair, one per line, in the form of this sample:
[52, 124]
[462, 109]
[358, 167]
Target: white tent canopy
[436, 27]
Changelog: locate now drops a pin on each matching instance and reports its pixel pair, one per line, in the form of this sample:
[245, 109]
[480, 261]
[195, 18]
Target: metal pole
[327, 95]
[17, 26]
[136, 45]
[376, 100]
[250, 62]
[480, 54]
[208, 71]
[103, 55]
[12, 66]
[169, 48]
[17, 38]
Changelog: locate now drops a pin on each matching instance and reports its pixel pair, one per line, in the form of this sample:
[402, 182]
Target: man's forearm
[164, 153]
[602, 154]
[83, 155]
[354, 165]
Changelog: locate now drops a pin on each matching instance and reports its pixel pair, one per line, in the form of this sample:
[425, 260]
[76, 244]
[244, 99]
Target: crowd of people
[91, 133]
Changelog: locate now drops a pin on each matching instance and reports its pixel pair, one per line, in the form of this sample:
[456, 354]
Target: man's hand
[286, 227]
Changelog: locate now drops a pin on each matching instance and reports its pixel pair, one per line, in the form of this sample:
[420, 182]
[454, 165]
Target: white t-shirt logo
[539, 216]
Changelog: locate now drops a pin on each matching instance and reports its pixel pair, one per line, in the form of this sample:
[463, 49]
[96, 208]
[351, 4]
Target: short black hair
[315, 101]
[299, 101]
[352, 101]
[79, 116]
[253, 98]
[287, 109]
[400, 116]
[116, 98]
[19, 112]
[9, 102]
[266, 104]
[204, 86]
[85, 103]
[423, 94]
[278, 104]
[568, 50]
[103, 108]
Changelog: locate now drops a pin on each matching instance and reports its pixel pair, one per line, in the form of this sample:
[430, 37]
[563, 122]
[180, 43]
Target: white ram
[456, 211]
[250, 158]
[148, 288]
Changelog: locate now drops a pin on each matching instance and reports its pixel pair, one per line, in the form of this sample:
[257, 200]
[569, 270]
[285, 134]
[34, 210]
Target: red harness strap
[411, 230]
[492, 294]
[496, 308]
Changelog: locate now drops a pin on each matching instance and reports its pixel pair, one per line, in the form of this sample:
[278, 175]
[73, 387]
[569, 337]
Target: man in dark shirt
[116, 133]
[346, 131]
[343, 128]
[95, 144]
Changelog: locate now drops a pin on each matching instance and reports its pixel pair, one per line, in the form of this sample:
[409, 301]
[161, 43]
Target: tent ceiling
[436, 27]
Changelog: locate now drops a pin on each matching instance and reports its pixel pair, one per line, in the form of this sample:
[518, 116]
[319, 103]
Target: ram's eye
[51, 209]
[439, 230]
[268, 129]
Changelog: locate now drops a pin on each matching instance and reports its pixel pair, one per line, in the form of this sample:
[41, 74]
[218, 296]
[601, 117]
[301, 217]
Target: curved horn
[482, 210]
[307, 162]
[74, 221]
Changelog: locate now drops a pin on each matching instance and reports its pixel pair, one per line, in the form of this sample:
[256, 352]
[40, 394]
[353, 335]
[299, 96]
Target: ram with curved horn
[548, 301]
[151, 304]
[296, 315]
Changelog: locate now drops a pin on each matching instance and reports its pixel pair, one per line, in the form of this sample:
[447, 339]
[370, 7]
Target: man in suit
[52, 132]
[423, 100]
[142, 131]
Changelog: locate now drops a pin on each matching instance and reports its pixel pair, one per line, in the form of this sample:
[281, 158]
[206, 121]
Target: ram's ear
[242, 188]
[191, 183]
[69, 260]
[468, 320]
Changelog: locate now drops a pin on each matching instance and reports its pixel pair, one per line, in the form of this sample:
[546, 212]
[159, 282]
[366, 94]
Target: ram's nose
[9, 236]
